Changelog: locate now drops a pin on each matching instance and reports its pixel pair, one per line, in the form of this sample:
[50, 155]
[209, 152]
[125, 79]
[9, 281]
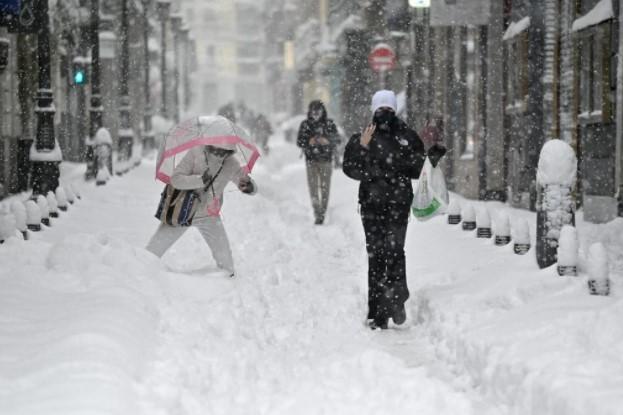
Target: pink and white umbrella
[201, 131]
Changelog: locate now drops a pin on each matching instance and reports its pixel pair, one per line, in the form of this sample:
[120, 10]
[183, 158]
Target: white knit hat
[384, 98]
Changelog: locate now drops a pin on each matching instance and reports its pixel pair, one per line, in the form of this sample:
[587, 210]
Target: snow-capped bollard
[568, 252]
[469, 218]
[103, 151]
[76, 191]
[521, 236]
[502, 229]
[71, 196]
[52, 204]
[33, 216]
[483, 222]
[556, 176]
[454, 212]
[19, 211]
[102, 176]
[598, 280]
[7, 227]
[61, 199]
[42, 202]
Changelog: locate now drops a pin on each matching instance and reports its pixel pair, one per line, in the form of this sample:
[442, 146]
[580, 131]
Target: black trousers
[385, 228]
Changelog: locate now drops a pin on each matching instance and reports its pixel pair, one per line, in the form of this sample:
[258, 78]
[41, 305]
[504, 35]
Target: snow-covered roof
[601, 12]
[516, 28]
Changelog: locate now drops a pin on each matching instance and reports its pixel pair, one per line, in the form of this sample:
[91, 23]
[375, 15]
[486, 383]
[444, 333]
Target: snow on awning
[601, 12]
[516, 28]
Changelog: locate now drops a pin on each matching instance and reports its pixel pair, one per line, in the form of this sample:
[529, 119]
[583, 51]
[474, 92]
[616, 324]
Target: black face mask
[384, 119]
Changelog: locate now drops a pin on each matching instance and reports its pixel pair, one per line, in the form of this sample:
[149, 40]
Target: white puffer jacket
[187, 175]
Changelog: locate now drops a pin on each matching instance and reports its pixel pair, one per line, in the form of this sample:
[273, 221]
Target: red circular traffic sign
[382, 58]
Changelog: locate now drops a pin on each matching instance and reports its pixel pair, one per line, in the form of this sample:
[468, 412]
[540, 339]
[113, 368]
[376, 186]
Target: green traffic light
[79, 77]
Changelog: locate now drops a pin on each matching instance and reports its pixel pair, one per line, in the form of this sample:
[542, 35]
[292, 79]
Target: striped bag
[177, 207]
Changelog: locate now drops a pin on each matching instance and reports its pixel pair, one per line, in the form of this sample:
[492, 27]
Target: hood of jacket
[317, 104]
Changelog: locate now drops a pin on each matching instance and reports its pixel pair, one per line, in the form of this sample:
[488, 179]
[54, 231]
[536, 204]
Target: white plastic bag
[431, 195]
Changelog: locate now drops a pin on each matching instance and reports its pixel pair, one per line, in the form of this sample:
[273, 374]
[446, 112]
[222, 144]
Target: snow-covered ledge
[52, 155]
[601, 12]
[516, 28]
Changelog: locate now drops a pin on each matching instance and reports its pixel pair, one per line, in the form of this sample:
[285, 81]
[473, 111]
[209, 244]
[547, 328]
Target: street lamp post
[185, 32]
[96, 110]
[176, 25]
[45, 154]
[149, 140]
[164, 7]
[126, 135]
[418, 113]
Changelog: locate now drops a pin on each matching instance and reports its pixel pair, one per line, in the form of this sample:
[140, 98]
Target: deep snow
[92, 323]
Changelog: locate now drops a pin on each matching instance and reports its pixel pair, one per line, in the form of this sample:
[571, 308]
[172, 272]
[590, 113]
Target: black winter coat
[387, 167]
[324, 127]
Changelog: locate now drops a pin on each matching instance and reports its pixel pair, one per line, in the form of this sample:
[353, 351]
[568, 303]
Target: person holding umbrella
[213, 148]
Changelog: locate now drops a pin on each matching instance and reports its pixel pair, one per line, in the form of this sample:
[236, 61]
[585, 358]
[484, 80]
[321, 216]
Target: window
[249, 50]
[517, 73]
[597, 65]
[249, 68]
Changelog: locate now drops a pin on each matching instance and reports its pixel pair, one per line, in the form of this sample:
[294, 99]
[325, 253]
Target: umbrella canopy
[215, 131]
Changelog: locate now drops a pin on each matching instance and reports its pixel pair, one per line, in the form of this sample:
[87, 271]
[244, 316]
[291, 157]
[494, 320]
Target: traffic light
[79, 74]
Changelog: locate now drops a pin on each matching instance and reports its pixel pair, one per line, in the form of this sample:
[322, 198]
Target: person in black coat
[318, 138]
[384, 159]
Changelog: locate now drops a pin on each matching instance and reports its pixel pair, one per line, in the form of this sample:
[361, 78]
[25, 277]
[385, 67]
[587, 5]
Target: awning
[601, 12]
[516, 28]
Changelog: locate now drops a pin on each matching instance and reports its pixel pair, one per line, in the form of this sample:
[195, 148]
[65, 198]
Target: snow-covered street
[91, 323]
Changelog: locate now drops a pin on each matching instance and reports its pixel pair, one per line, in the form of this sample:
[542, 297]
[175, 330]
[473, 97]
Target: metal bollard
[45, 210]
[483, 222]
[33, 216]
[521, 236]
[568, 252]
[598, 280]
[502, 229]
[469, 218]
[61, 199]
[454, 212]
[52, 204]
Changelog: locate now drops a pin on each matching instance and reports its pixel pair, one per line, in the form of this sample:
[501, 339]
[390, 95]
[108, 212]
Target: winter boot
[399, 316]
[378, 323]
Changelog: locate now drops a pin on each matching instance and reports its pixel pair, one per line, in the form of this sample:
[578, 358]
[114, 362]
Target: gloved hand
[206, 177]
[246, 185]
[435, 153]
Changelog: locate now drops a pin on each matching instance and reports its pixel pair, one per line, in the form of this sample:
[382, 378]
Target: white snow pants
[212, 230]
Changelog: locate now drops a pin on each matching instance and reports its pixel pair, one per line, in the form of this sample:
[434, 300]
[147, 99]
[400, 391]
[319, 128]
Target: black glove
[246, 185]
[206, 177]
[435, 153]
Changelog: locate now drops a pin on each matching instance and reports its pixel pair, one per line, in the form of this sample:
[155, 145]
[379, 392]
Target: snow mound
[71, 349]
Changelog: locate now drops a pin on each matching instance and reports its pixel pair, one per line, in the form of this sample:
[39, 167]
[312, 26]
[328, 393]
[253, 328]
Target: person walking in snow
[318, 138]
[206, 169]
[384, 159]
[262, 131]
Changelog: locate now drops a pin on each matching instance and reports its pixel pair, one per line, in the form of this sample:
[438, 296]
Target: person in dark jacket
[318, 138]
[384, 159]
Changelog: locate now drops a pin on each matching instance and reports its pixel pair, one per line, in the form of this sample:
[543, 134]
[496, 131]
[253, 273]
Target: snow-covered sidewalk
[92, 323]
